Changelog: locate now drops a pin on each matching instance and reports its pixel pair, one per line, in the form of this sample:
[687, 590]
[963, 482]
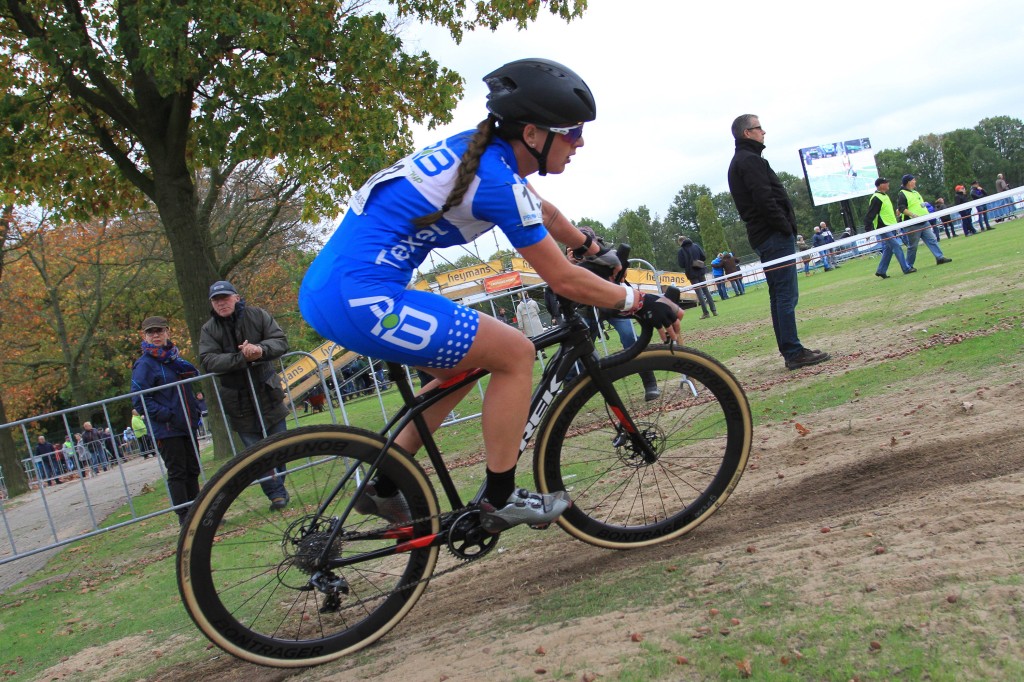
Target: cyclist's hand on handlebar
[662, 314]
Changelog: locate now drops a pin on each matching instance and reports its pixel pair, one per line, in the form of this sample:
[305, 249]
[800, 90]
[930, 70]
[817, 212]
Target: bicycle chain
[454, 513]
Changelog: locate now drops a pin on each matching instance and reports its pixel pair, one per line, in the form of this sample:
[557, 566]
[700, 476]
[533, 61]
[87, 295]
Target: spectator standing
[960, 197]
[801, 245]
[732, 269]
[978, 192]
[43, 460]
[946, 221]
[909, 205]
[819, 240]
[554, 308]
[82, 455]
[767, 211]
[94, 442]
[110, 447]
[829, 238]
[528, 314]
[68, 450]
[172, 411]
[239, 343]
[718, 270]
[691, 261]
[141, 432]
[881, 214]
[1006, 208]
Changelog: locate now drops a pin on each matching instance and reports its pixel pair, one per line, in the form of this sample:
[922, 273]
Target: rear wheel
[253, 579]
[699, 428]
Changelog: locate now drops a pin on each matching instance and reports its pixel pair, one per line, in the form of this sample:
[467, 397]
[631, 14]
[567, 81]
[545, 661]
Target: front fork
[626, 429]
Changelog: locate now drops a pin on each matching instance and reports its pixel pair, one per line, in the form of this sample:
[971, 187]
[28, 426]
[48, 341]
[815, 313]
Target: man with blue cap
[239, 343]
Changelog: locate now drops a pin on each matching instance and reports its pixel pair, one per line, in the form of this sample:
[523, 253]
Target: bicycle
[320, 581]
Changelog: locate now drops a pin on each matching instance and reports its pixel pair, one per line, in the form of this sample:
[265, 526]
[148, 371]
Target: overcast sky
[669, 76]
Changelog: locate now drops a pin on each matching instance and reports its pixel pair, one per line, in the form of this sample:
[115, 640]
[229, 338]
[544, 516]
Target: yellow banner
[471, 274]
[421, 285]
[521, 265]
[640, 276]
[305, 364]
[677, 279]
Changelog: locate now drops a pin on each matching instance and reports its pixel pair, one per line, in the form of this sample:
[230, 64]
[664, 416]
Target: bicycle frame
[575, 345]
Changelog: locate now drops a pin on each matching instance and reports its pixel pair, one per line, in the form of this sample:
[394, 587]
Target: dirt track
[933, 472]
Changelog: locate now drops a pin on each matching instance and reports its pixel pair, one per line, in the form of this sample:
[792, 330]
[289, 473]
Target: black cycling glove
[657, 312]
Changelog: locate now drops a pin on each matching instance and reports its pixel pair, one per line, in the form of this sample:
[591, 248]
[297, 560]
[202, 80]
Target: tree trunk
[177, 201]
[10, 462]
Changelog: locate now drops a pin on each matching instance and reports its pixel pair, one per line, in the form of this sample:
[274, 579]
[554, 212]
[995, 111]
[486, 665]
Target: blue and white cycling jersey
[354, 292]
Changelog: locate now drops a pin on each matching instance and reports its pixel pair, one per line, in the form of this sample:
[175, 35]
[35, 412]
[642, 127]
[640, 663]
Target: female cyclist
[444, 195]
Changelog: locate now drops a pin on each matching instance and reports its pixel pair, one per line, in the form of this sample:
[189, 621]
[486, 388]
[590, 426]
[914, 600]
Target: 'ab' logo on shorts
[408, 328]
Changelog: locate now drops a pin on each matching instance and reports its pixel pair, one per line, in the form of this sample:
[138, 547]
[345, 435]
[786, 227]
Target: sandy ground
[900, 495]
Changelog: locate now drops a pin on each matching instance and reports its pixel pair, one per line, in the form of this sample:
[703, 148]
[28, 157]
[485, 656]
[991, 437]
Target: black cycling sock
[500, 487]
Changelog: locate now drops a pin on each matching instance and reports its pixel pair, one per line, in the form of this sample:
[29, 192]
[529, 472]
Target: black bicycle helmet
[541, 92]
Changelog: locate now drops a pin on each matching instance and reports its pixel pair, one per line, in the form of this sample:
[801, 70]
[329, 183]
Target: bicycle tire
[244, 570]
[701, 432]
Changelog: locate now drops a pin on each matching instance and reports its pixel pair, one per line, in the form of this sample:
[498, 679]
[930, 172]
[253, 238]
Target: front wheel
[314, 581]
[692, 413]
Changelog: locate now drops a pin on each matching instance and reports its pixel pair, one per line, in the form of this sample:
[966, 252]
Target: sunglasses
[571, 135]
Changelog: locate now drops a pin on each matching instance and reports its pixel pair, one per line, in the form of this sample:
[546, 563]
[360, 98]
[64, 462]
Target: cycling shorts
[389, 322]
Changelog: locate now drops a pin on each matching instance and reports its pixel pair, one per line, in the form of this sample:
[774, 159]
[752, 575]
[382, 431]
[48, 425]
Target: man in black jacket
[691, 261]
[239, 342]
[764, 206]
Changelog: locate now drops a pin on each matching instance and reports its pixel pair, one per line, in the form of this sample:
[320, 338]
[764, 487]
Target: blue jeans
[45, 469]
[272, 487]
[783, 292]
[723, 293]
[983, 217]
[703, 295]
[892, 245]
[917, 234]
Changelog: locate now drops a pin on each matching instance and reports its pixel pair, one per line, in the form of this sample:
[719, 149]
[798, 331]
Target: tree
[633, 227]
[732, 226]
[121, 101]
[713, 236]
[682, 214]
[598, 227]
[806, 214]
[62, 282]
[1006, 136]
[893, 164]
[924, 156]
[956, 168]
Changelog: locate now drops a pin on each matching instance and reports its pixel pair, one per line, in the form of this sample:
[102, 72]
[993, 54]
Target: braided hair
[468, 165]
